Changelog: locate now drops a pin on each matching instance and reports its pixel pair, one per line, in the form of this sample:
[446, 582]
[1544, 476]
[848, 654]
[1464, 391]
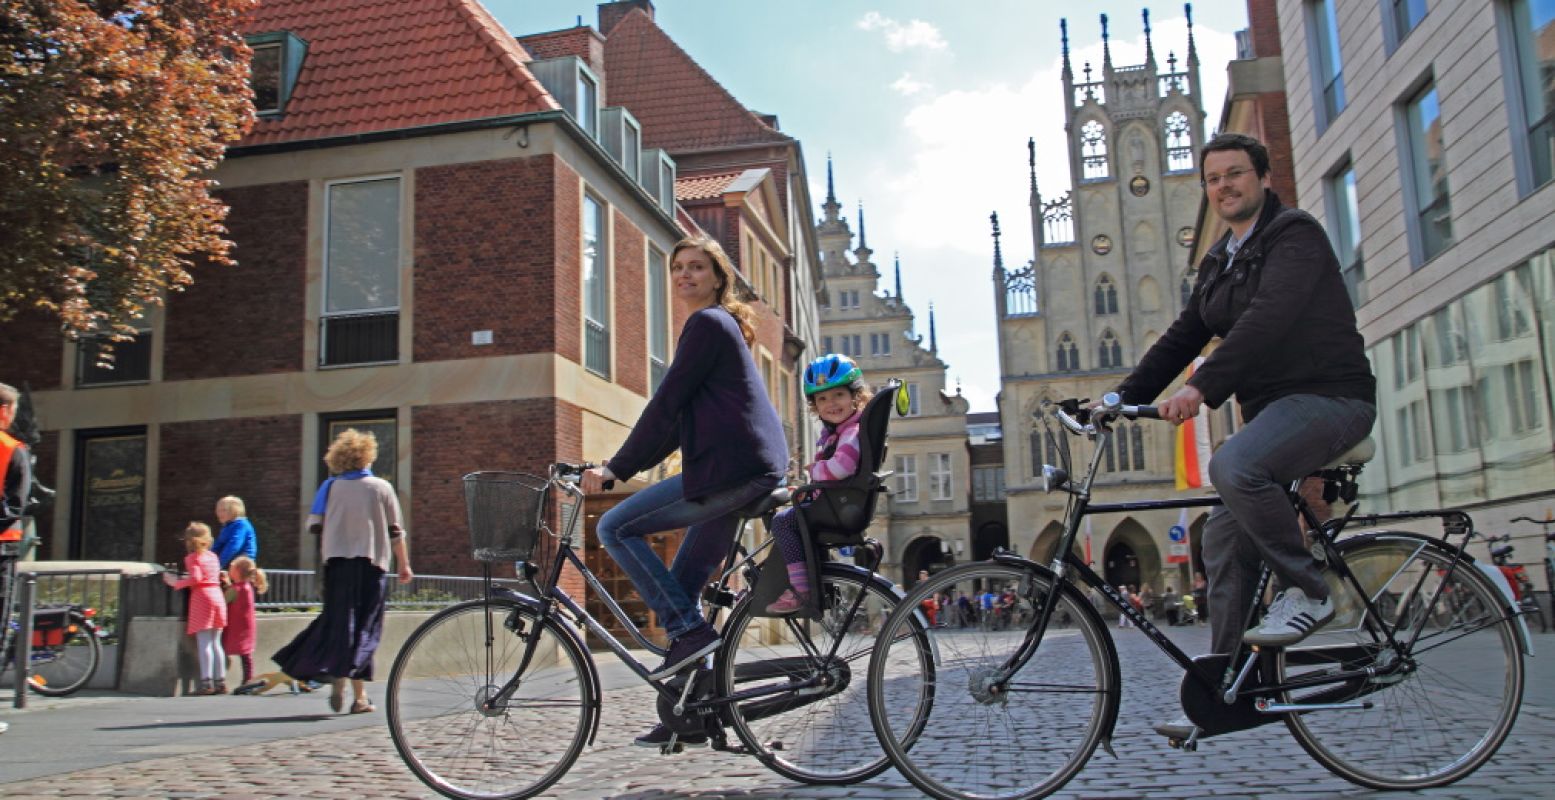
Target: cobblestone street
[204, 757]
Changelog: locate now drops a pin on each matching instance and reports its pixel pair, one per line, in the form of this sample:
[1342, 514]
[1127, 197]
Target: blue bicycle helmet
[829, 372]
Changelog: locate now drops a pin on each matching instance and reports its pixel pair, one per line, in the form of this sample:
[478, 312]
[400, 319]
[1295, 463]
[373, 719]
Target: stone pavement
[284, 746]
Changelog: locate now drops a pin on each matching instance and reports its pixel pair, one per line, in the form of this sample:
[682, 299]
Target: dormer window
[587, 102]
[273, 69]
[264, 78]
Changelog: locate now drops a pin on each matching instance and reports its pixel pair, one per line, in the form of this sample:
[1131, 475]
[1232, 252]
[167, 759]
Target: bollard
[23, 649]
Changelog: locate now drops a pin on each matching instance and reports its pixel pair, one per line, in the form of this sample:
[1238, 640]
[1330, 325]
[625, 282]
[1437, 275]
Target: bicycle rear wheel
[990, 734]
[1441, 707]
[69, 665]
[447, 671]
[818, 734]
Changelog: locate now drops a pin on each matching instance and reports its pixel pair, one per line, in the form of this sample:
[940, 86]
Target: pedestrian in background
[358, 516]
[207, 608]
[237, 537]
[246, 581]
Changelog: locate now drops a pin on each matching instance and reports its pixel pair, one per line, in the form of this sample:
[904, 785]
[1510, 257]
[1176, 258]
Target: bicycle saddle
[1359, 454]
[765, 503]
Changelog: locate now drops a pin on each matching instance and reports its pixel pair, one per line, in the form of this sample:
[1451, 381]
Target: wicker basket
[505, 511]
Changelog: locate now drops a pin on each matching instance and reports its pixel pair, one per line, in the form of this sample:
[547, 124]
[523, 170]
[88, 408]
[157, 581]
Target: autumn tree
[112, 114]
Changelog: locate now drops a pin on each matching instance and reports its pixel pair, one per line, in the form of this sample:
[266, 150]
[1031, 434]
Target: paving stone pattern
[359, 763]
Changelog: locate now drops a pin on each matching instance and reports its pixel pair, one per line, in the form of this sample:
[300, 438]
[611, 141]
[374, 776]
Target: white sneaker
[1292, 617]
[4, 726]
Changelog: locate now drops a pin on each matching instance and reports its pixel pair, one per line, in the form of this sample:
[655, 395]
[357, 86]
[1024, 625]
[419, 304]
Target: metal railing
[300, 590]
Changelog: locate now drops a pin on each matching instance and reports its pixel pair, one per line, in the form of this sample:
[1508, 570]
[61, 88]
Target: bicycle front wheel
[1439, 706]
[65, 667]
[813, 726]
[995, 728]
[440, 712]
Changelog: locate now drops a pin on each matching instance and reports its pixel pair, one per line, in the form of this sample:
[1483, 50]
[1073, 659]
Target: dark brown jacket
[1282, 312]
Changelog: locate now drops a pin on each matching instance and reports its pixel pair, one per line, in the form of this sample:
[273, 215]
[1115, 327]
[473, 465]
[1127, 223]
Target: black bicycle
[1415, 683]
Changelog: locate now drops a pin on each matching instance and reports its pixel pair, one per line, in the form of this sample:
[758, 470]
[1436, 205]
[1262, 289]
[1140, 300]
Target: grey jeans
[1291, 438]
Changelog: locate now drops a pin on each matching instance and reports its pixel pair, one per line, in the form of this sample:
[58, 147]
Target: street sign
[1177, 533]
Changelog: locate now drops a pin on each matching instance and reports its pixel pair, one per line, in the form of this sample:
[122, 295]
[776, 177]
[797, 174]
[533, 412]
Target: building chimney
[612, 13]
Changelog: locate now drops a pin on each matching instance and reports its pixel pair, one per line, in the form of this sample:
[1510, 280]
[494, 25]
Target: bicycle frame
[1227, 686]
[557, 600]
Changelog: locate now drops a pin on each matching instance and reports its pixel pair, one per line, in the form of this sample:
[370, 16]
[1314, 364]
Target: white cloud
[907, 85]
[903, 36]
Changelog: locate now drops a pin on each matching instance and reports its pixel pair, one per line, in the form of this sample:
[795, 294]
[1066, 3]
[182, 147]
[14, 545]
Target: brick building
[442, 237]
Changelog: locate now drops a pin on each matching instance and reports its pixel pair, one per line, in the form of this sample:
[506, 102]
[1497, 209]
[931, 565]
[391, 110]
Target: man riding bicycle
[1291, 353]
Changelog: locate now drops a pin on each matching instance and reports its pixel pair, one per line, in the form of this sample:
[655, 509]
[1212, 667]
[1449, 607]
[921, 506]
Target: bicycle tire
[1451, 706]
[448, 666]
[1024, 742]
[824, 742]
[66, 667]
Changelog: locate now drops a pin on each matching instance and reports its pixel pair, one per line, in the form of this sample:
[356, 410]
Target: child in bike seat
[835, 389]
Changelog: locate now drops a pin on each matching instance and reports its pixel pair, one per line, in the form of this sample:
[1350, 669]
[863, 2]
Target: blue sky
[925, 108]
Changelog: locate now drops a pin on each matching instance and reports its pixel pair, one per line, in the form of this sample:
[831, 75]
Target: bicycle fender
[1080, 602]
[1525, 641]
[880, 581]
[590, 671]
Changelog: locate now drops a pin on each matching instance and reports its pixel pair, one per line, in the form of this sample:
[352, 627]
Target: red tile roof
[680, 106]
[703, 187]
[381, 65]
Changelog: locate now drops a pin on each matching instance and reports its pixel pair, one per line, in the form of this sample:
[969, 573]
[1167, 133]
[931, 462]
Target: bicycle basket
[505, 511]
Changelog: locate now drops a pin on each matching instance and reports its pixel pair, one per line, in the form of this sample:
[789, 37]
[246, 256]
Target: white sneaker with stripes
[1292, 616]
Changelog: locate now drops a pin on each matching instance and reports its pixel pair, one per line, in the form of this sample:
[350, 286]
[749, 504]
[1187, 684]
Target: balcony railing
[370, 338]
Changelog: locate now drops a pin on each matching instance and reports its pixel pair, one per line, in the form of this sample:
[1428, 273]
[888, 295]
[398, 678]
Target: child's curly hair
[861, 396]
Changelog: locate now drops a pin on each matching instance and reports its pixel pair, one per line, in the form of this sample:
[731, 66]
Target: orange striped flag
[1190, 453]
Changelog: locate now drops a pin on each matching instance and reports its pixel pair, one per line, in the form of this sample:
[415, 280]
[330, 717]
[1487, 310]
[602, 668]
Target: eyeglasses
[1215, 180]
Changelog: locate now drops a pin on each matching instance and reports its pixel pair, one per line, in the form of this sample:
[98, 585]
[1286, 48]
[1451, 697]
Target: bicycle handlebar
[1081, 421]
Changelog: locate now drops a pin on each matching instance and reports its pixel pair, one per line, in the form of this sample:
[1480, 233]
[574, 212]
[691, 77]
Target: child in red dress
[207, 608]
[237, 639]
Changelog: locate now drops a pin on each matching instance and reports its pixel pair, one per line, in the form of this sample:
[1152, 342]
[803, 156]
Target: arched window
[1138, 437]
[1093, 151]
[1106, 296]
[1121, 436]
[1109, 352]
[1068, 354]
[1179, 142]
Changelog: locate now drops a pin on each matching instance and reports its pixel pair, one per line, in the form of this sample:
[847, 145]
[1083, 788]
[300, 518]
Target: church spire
[862, 251]
[1193, 52]
[933, 340]
[1063, 35]
[998, 257]
[831, 206]
[1149, 48]
[898, 277]
[1106, 48]
[1031, 161]
[831, 189]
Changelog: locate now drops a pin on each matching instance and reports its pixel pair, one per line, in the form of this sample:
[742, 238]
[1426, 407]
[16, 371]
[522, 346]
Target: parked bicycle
[1517, 578]
[1415, 683]
[1547, 527]
[66, 644]
[496, 698]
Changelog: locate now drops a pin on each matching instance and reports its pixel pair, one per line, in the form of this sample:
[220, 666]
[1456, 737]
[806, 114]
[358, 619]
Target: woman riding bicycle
[1290, 351]
[713, 406]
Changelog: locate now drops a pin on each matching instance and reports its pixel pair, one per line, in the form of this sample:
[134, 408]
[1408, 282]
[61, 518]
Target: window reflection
[1464, 410]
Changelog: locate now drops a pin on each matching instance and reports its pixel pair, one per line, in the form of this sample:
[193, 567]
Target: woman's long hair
[727, 296]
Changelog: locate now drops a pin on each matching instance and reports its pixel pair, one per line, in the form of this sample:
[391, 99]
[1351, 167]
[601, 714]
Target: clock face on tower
[1101, 244]
[1185, 236]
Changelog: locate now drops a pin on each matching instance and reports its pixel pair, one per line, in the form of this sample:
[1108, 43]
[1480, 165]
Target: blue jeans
[1291, 438]
[674, 593]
